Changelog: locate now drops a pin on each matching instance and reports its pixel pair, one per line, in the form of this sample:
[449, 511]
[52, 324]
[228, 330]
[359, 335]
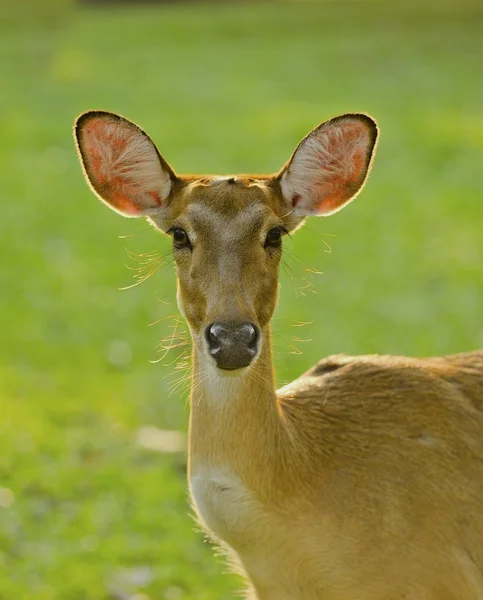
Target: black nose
[232, 345]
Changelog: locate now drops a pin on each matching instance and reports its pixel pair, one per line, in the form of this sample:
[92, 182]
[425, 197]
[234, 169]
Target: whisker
[164, 319]
[314, 271]
[328, 249]
[136, 233]
[301, 323]
[163, 301]
[148, 264]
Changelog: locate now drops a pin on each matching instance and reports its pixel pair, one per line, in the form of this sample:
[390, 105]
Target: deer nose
[232, 345]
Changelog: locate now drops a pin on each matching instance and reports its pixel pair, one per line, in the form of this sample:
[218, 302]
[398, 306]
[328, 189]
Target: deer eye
[274, 237]
[180, 237]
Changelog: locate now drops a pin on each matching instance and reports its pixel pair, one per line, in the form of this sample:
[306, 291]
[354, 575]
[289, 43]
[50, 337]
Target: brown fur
[362, 479]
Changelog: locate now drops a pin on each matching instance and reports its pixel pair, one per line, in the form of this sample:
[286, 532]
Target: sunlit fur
[362, 479]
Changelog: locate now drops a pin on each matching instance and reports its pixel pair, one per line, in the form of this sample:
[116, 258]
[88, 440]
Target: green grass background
[85, 513]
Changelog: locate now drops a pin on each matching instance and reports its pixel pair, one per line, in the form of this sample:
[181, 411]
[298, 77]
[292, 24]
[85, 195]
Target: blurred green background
[91, 505]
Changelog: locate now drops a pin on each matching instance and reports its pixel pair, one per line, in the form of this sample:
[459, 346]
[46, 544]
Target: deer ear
[330, 165]
[122, 164]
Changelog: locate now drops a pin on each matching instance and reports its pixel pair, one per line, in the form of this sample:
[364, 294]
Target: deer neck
[235, 422]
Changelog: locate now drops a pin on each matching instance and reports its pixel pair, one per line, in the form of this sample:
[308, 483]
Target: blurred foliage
[86, 512]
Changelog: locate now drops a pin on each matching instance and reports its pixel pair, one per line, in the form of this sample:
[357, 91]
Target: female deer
[362, 479]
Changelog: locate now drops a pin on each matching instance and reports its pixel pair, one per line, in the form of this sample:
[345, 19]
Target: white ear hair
[329, 167]
[122, 164]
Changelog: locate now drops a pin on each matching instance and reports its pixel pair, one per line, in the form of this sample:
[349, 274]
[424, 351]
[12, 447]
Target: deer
[363, 478]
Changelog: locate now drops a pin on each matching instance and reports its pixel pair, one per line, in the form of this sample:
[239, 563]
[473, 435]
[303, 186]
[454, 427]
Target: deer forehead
[227, 209]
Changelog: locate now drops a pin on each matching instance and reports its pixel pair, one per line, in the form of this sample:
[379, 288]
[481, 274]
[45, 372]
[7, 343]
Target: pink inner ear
[98, 139]
[123, 165]
[103, 149]
[343, 165]
[329, 166]
[125, 204]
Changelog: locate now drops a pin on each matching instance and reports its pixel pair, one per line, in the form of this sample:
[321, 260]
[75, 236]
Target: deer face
[227, 242]
[226, 231]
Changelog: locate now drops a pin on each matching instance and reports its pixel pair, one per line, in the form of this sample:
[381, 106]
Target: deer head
[227, 231]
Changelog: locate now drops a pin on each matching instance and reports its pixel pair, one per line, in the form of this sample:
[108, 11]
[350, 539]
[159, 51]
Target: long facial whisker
[148, 264]
[182, 383]
[178, 338]
[176, 317]
[136, 233]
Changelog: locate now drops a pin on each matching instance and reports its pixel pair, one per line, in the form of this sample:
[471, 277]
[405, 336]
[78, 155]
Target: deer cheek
[194, 306]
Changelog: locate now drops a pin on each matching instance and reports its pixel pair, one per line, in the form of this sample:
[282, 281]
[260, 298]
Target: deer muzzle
[232, 345]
